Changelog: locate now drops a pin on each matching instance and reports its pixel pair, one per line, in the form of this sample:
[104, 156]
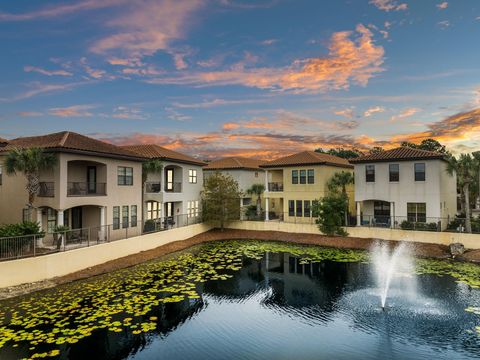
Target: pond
[250, 300]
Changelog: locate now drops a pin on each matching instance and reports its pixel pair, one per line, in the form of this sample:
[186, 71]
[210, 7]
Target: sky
[265, 78]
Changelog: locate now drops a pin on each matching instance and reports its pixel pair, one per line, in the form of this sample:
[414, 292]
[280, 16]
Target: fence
[417, 223]
[17, 247]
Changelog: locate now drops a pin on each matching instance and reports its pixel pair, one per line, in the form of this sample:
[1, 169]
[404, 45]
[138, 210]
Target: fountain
[390, 265]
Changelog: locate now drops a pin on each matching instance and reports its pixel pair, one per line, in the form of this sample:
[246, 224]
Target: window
[299, 208]
[311, 176]
[26, 214]
[51, 220]
[116, 217]
[394, 171]
[417, 212]
[420, 172]
[125, 175]
[294, 176]
[153, 210]
[124, 217]
[192, 176]
[370, 173]
[192, 208]
[169, 179]
[291, 208]
[306, 208]
[133, 215]
[303, 176]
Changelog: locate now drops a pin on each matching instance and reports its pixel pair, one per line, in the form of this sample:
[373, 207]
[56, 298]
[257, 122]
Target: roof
[403, 153]
[152, 151]
[308, 158]
[3, 141]
[236, 162]
[71, 142]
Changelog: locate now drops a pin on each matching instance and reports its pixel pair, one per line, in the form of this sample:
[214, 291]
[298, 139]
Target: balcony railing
[86, 189]
[275, 186]
[152, 187]
[173, 187]
[47, 189]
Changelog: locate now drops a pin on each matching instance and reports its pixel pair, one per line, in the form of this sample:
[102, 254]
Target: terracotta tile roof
[152, 151]
[399, 154]
[67, 141]
[236, 162]
[3, 141]
[308, 158]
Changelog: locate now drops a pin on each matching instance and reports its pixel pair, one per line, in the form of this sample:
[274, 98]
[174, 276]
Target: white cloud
[373, 110]
[59, 72]
[405, 113]
[442, 5]
[348, 113]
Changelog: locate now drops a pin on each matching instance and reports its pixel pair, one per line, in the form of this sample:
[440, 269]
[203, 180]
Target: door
[77, 217]
[91, 179]
[169, 179]
[381, 212]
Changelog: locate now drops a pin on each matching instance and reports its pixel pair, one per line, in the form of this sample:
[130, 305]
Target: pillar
[359, 213]
[101, 233]
[39, 219]
[162, 181]
[392, 215]
[60, 218]
[266, 194]
[266, 209]
[241, 209]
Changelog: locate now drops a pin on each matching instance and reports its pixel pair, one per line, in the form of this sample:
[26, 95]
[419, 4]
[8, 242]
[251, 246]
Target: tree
[221, 199]
[257, 190]
[429, 145]
[30, 162]
[338, 184]
[466, 167]
[376, 150]
[330, 211]
[341, 152]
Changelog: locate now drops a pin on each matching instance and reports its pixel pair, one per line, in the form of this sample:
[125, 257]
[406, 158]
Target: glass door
[92, 179]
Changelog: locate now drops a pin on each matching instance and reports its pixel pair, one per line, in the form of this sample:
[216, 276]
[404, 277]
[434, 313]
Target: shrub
[420, 226]
[251, 212]
[20, 229]
[331, 212]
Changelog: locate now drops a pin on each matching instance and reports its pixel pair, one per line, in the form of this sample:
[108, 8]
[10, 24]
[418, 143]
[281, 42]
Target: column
[162, 181]
[101, 233]
[392, 215]
[241, 208]
[266, 195]
[60, 218]
[39, 243]
[359, 213]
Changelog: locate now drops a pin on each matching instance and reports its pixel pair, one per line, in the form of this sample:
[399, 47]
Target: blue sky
[255, 78]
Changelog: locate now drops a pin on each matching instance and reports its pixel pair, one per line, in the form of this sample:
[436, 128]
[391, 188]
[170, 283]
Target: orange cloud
[389, 5]
[405, 113]
[350, 61]
[373, 110]
[71, 111]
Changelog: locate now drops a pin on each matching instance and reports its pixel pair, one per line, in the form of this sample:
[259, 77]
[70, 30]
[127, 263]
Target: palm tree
[30, 162]
[466, 167]
[341, 180]
[257, 189]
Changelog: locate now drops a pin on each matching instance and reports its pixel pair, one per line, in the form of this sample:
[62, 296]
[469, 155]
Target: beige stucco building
[404, 184]
[171, 197]
[294, 182]
[94, 186]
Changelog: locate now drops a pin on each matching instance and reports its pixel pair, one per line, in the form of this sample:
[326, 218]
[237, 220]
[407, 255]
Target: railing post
[108, 233]
[34, 245]
[126, 232]
[64, 240]
[88, 237]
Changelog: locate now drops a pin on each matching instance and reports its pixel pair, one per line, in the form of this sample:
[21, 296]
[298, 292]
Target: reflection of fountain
[389, 265]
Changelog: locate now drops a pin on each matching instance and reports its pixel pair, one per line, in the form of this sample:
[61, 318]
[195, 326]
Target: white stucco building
[404, 184]
[173, 196]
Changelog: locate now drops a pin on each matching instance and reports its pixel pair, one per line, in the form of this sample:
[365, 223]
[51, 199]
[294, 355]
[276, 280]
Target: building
[245, 171]
[404, 184]
[93, 185]
[294, 182]
[172, 197]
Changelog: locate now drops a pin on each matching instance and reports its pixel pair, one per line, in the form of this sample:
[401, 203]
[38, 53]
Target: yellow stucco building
[293, 183]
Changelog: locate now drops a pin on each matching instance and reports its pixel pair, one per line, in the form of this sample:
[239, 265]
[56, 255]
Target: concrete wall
[244, 178]
[40, 268]
[471, 241]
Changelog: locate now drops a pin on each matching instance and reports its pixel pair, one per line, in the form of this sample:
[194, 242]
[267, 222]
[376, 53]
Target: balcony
[275, 186]
[175, 187]
[86, 189]
[152, 187]
[47, 189]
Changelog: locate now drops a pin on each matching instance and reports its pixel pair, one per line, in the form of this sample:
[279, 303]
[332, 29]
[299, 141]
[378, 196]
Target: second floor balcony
[86, 189]
[275, 186]
[47, 189]
[175, 187]
[152, 187]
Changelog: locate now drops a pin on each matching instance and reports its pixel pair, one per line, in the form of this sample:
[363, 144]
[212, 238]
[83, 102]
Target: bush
[20, 229]
[420, 226]
[251, 212]
[331, 212]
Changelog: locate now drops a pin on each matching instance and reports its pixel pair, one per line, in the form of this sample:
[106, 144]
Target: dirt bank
[420, 249]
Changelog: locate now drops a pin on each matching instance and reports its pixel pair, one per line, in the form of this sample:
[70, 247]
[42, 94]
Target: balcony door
[169, 180]
[77, 217]
[91, 179]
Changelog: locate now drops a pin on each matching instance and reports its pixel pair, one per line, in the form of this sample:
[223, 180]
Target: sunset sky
[255, 78]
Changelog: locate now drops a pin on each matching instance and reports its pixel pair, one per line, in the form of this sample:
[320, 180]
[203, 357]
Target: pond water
[250, 300]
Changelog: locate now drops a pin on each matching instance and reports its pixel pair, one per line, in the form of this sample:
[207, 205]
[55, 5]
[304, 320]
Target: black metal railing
[153, 187]
[47, 189]
[86, 189]
[175, 187]
[275, 186]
